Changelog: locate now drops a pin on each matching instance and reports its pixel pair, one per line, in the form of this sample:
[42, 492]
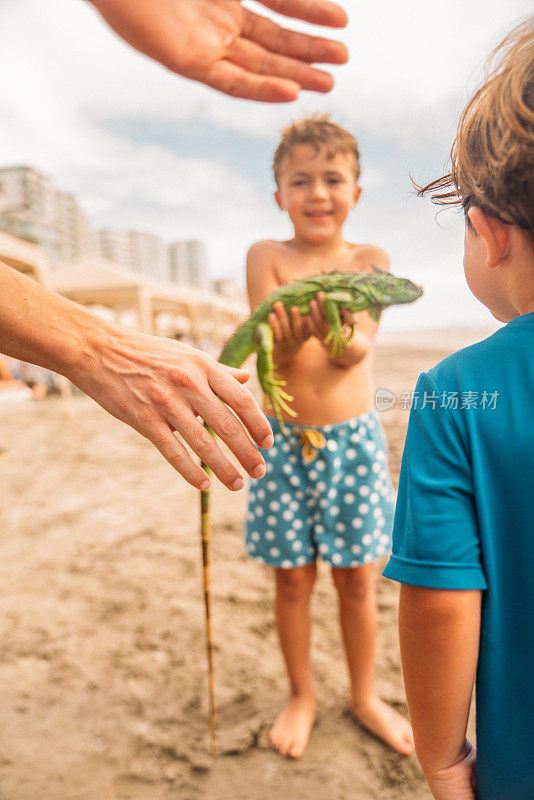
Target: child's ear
[278, 200]
[496, 235]
[357, 193]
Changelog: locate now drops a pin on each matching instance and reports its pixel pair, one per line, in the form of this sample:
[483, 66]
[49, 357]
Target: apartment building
[115, 246]
[150, 255]
[188, 263]
[230, 288]
[32, 208]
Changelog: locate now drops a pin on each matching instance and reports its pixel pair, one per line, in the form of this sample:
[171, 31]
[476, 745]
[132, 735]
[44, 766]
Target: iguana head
[383, 289]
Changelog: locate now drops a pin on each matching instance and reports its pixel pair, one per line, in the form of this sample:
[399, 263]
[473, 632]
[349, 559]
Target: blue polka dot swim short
[327, 491]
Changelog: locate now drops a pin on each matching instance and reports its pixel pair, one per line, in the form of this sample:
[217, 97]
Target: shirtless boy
[327, 489]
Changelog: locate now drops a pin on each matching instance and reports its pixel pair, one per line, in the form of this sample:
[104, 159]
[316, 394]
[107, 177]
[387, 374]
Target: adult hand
[226, 46]
[155, 385]
[159, 386]
[456, 782]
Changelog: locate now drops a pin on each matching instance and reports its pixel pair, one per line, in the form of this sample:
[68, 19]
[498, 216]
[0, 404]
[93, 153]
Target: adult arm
[155, 385]
[439, 635]
[226, 46]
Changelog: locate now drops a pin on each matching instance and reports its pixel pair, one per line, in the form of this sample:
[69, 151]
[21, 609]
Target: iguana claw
[276, 398]
[339, 343]
[335, 323]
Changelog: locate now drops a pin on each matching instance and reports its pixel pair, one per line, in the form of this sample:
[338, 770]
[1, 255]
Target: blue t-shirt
[465, 520]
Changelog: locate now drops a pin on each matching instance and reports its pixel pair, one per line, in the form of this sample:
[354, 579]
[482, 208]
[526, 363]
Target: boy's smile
[317, 192]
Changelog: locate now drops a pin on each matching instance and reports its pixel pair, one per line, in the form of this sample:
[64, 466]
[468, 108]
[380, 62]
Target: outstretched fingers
[237, 81]
[204, 445]
[301, 46]
[256, 59]
[176, 454]
[201, 397]
[318, 12]
[247, 409]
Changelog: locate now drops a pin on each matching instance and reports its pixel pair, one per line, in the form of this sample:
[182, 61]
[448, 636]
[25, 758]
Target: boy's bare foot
[387, 724]
[292, 727]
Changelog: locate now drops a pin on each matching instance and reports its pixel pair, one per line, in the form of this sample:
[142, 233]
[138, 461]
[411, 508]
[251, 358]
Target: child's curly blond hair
[317, 131]
[492, 158]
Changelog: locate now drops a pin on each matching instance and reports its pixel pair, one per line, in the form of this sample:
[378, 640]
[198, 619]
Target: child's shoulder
[264, 255]
[472, 362]
[270, 263]
[365, 256]
[266, 248]
[263, 273]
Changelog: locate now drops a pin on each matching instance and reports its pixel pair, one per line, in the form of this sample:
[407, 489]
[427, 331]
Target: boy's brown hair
[492, 158]
[318, 132]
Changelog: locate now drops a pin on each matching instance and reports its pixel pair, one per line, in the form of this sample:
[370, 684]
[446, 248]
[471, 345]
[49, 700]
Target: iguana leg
[375, 312]
[333, 316]
[275, 396]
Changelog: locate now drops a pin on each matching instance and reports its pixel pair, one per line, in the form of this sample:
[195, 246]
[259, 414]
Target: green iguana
[356, 291]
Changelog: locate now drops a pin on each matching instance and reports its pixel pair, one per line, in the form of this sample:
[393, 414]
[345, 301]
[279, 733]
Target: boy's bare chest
[288, 268]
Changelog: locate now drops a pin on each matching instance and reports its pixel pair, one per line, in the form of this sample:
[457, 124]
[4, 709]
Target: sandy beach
[103, 691]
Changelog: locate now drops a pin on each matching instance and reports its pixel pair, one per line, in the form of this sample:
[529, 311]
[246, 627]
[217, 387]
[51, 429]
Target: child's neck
[328, 247]
[516, 284]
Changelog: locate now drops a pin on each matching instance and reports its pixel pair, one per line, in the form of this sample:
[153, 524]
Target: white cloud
[67, 79]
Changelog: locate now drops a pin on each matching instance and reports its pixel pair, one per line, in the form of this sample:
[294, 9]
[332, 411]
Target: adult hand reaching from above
[153, 384]
[228, 47]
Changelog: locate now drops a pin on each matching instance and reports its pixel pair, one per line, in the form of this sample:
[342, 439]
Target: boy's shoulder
[359, 256]
[263, 248]
[263, 268]
[470, 362]
[368, 255]
[265, 252]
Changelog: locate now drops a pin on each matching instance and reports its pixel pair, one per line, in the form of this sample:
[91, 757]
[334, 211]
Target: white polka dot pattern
[339, 505]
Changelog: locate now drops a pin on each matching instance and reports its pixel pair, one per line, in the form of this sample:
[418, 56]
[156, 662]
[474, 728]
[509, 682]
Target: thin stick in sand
[205, 528]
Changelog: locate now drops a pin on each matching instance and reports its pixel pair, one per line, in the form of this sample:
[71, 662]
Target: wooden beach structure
[201, 316]
[23, 256]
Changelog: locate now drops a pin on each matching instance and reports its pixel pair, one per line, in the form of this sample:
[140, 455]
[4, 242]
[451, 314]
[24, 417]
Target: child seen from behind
[463, 535]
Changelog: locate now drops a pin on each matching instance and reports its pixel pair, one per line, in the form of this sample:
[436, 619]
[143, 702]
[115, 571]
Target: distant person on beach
[327, 491]
[156, 385]
[463, 543]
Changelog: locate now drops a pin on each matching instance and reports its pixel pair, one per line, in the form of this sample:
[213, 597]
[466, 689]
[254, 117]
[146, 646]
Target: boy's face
[317, 192]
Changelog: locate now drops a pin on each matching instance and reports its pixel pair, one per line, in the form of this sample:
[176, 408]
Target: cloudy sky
[144, 149]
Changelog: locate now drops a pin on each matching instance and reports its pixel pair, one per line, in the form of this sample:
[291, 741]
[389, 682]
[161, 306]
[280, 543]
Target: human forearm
[41, 327]
[155, 385]
[439, 634]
